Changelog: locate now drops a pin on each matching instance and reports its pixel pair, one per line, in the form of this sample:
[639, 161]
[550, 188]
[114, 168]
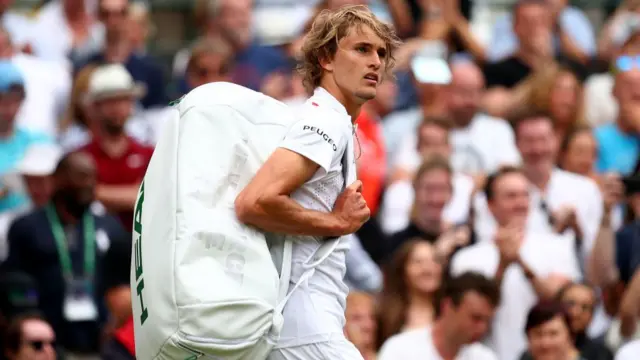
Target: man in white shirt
[528, 265]
[299, 189]
[463, 314]
[473, 151]
[560, 202]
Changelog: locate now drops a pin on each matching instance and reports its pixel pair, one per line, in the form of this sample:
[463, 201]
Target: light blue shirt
[12, 150]
[504, 41]
[617, 151]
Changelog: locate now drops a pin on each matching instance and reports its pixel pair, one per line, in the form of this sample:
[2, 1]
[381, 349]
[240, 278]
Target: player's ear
[326, 63]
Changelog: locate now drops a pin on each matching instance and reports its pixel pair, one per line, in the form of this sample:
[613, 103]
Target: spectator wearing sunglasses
[29, 337]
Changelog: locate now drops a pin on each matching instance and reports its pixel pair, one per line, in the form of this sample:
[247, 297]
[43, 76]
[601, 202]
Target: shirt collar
[323, 97]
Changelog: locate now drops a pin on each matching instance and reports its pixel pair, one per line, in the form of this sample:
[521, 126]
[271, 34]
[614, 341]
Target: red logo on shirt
[314, 104]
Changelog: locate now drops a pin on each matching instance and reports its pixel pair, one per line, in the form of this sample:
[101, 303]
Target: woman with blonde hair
[411, 281]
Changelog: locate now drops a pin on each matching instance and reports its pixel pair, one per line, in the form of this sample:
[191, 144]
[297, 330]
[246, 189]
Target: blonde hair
[328, 28]
[536, 92]
[74, 112]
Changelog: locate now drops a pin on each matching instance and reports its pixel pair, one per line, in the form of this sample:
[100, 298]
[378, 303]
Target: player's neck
[353, 108]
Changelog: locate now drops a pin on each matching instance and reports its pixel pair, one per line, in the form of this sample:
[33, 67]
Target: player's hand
[351, 208]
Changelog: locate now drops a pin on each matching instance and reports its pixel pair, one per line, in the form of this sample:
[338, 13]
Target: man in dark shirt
[142, 68]
[533, 24]
[76, 255]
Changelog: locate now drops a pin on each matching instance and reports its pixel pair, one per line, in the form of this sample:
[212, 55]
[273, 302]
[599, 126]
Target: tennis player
[300, 190]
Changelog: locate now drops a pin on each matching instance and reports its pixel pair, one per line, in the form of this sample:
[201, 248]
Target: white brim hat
[40, 160]
[113, 80]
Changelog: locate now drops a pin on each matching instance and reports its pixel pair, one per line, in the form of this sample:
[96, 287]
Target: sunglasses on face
[626, 63]
[38, 345]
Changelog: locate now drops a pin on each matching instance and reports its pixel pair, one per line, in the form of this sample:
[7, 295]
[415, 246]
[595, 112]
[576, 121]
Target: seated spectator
[211, 60]
[15, 139]
[533, 25]
[118, 50]
[618, 145]
[471, 150]
[66, 31]
[573, 35]
[120, 159]
[46, 86]
[18, 25]
[580, 302]
[529, 265]
[549, 333]
[433, 188]
[29, 337]
[36, 170]
[555, 90]
[73, 291]
[361, 326]
[231, 20]
[412, 279]
[560, 202]
[463, 313]
[399, 197]
[578, 153]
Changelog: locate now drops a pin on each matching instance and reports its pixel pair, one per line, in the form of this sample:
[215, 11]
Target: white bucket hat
[40, 160]
[113, 80]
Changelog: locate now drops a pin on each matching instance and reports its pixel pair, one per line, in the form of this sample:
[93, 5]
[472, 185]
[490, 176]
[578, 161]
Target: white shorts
[329, 350]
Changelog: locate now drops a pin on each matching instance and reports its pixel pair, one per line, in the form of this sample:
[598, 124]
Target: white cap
[113, 80]
[429, 64]
[280, 25]
[40, 160]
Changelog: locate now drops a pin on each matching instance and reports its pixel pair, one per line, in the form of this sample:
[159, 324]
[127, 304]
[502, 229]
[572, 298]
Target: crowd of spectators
[502, 171]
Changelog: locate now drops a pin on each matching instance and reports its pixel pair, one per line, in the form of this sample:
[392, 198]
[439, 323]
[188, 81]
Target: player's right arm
[266, 203]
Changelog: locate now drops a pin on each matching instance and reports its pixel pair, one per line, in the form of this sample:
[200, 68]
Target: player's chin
[366, 93]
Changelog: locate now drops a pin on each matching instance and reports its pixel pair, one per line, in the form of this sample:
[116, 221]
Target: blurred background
[500, 162]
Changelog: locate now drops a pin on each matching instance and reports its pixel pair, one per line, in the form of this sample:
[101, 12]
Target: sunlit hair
[211, 46]
[329, 28]
[394, 297]
[75, 112]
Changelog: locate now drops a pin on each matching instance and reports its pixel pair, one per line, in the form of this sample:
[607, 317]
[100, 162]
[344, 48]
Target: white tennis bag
[204, 285]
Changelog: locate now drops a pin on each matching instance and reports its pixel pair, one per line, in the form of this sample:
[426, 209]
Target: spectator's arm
[630, 307]
[116, 267]
[601, 267]
[576, 34]
[605, 44]
[401, 15]
[545, 287]
[362, 272]
[570, 49]
[117, 197]
[461, 26]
